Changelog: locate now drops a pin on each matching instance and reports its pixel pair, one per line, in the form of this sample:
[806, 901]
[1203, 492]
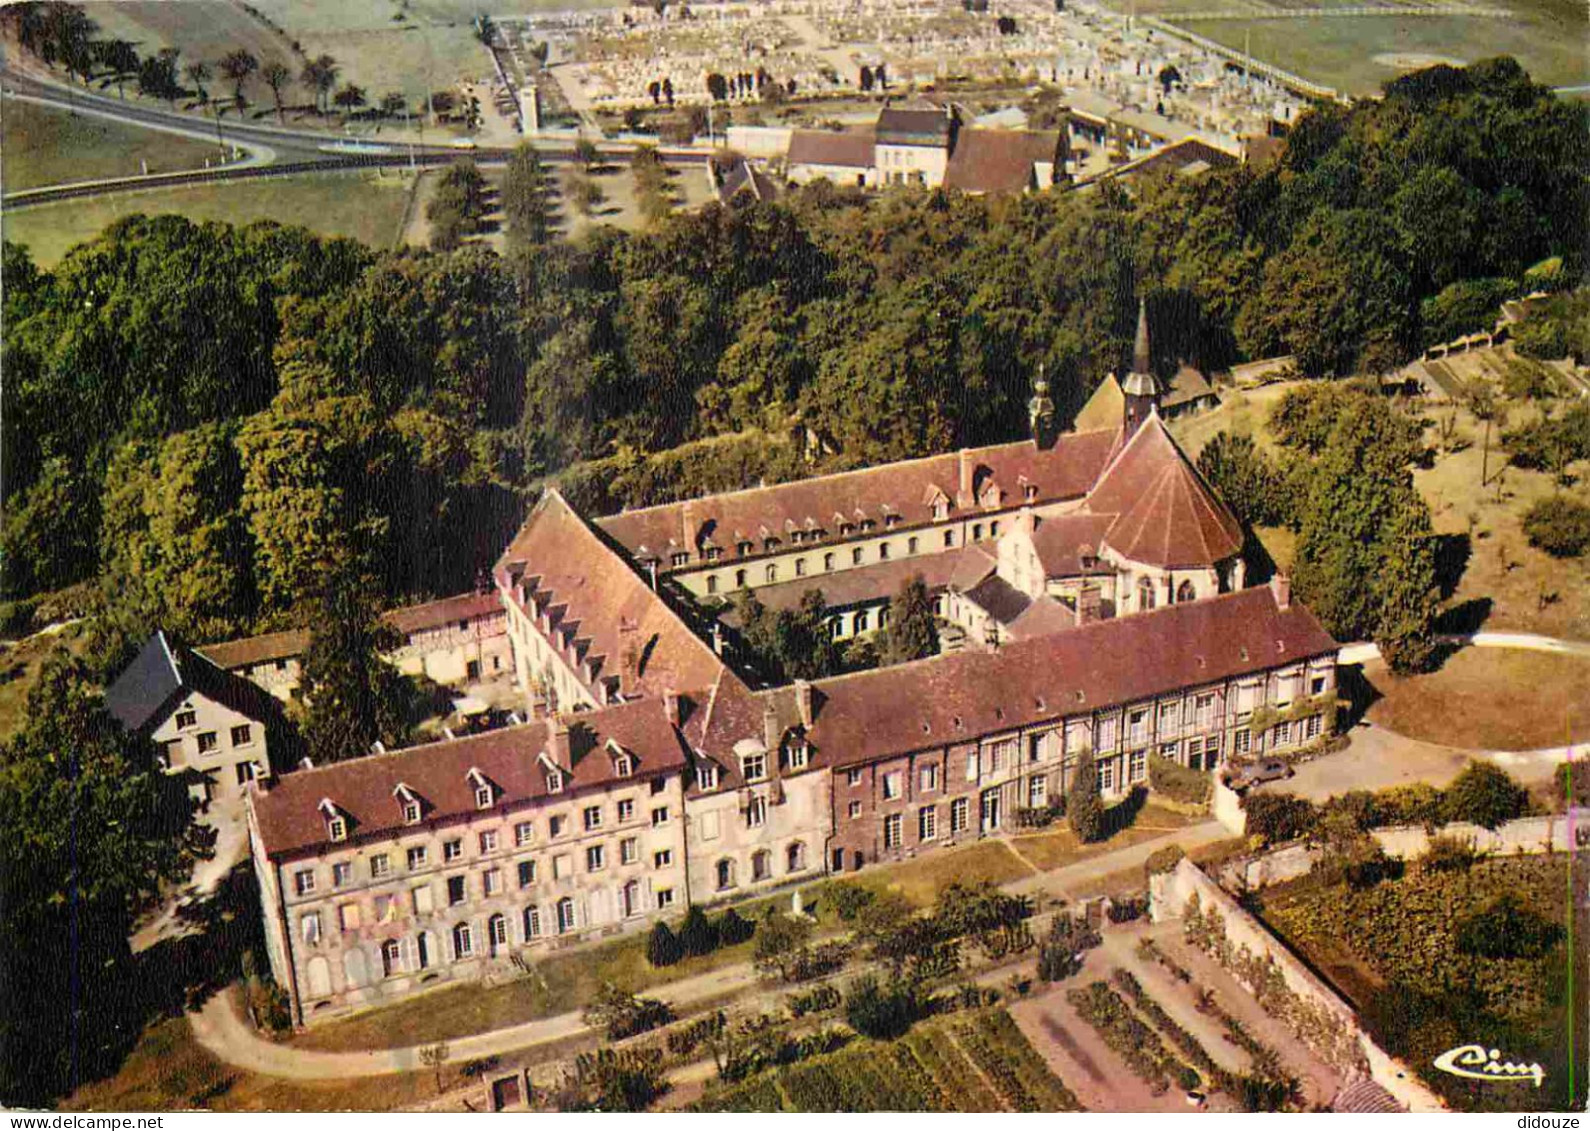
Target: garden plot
[971, 1062]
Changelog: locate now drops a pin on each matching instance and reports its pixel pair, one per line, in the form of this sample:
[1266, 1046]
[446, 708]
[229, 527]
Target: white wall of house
[225, 747]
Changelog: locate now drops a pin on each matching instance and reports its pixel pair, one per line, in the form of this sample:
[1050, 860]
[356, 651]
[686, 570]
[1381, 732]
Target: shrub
[1278, 817]
[1356, 807]
[1507, 929]
[880, 1011]
[818, 999]
[1559, 525]
[697, 934]
[733, 928]
[848, 899]
[1484, 795]
[623, 1015]
[1417, 804]
[1060, 956]
[1084, 808]
[1178, 782]
[1573, 782]
[663, 947]
[1448, 854]
[817, 961]
[1162, 860]
[779, 941]
[687, 1038]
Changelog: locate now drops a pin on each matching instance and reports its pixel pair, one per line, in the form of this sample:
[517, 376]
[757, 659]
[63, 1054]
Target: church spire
[1140, 358]
[1140, 389]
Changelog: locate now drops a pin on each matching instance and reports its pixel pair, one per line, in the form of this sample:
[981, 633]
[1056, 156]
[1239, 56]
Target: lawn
[169, 1070]
[19, 669]
[562, 983]
[45, 146]
[365, 206]
[200, 29]
[974, 1062]
[1396, 951]
[919, 880]
[1356, 54]
[1057, 847]
[1488, 699]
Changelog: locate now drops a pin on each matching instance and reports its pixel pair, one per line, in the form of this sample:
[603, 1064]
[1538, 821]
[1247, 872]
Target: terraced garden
[968, 1062]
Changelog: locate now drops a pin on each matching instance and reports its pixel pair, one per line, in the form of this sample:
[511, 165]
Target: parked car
[1255, 773]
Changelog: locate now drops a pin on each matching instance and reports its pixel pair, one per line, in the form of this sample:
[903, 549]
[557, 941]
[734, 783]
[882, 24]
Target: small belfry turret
[1140, 390]
[1040, 412]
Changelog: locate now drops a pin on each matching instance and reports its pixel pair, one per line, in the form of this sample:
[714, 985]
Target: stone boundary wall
[1169, 895]
[1525, 836]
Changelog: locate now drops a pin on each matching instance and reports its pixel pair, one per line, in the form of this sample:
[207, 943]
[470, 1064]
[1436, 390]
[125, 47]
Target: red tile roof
[290, 820]
[1169, 517]
[289, 645]
[883, 579]
[606, 615]
[850, 149]
[926, 704]
[1065, 471]
[986, 160]
[1062, 540]
[445, 611]
[251, 650]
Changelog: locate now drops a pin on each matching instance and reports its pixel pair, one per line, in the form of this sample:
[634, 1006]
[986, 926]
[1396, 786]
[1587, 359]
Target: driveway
[1378, 758]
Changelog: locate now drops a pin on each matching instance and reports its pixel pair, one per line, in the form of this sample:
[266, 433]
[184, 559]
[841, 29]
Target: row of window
[761, 866]
[527, 873]
[417, 857]
[830, 559]
[209, 741]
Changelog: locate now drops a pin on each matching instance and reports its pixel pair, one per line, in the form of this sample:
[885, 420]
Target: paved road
[220, 1029]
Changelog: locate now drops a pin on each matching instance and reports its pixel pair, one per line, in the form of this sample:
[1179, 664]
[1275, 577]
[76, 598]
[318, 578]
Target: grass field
[366, 206]
[44, 146]
[200, 29]
[564, 983]
[1488, 699]
[170, 1071]
[1356, 54]
[1057, 847]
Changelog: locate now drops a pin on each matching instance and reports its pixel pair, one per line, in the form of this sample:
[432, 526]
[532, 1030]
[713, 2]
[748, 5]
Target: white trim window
[463, 941]
[960, 815]
[892, 830]
[927, 823]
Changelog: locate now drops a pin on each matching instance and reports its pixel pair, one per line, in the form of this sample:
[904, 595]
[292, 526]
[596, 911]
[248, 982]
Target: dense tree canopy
[382, 405]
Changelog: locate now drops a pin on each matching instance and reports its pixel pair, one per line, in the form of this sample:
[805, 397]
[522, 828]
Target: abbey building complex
[1090, 597]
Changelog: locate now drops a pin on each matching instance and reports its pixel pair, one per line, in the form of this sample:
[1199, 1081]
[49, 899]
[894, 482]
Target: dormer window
[713, 553]
[1030, 492]
[941, 509]
[753, 767]
[409, 801]
[846, 528]
[484, 793]
[891, 520]
[743, 548]
[707, 776]
[554, 781]
[798, 756]
[679, 559]
[336, 820]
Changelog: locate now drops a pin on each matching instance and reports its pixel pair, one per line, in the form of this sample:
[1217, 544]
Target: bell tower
[1140, 388]
[1040, 413]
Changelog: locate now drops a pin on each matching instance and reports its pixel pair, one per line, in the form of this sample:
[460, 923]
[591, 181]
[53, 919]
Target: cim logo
[1476, 1062]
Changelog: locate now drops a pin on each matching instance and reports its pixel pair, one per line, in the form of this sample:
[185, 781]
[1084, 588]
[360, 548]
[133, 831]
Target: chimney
[804, 702]
[1281, 587]
[628, 653]
[963, 489]
[1088, 605]
[1026, 521]
[717, 637]
[772, 733]
[671, 706]
[558, 747]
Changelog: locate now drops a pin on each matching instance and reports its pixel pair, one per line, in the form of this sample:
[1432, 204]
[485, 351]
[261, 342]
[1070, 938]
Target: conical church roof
[1167, 516]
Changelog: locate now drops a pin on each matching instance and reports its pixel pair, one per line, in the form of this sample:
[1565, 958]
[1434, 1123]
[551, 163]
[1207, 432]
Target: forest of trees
[209, 418]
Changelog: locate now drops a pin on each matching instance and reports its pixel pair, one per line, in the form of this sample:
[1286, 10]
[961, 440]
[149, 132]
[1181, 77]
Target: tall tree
[912, 632]
[89, 831]
[353, 696]
[237, 66]
[198, 73]
[1084, 807]
[276, 76]
[524, 196]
